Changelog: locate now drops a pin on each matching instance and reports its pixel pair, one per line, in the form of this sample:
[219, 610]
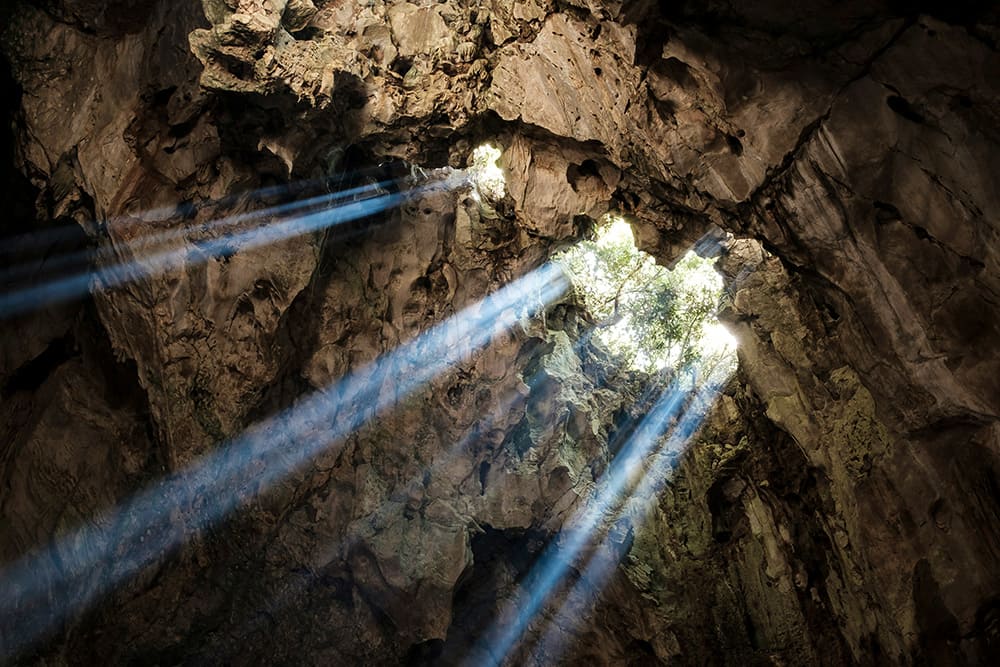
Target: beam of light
[554, 563]
[277, 602]
[84, 257]
[45, 588]
[598, 568]
[41, 239]
[75, 286]
[712, 243]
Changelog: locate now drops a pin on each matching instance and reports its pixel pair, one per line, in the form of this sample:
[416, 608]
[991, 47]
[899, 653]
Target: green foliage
[651, 316]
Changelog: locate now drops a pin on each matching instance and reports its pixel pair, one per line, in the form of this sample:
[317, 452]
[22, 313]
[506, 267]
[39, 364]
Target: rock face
[839, 505]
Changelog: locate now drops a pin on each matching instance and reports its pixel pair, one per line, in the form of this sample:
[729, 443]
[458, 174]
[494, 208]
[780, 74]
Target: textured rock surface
[839, 506]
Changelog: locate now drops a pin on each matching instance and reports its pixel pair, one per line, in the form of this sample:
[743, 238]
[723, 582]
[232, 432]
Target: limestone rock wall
[840, 504]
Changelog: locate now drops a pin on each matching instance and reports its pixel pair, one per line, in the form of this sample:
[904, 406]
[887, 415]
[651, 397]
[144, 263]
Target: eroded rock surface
[840, 504]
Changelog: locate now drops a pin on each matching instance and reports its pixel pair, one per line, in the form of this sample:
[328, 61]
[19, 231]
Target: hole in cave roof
[651, 317]
[485, 174]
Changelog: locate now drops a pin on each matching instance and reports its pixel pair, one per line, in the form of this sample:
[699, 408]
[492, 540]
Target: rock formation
[838, 506]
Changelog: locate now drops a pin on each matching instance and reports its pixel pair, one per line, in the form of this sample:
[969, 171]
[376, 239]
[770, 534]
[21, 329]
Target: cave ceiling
[282, 383]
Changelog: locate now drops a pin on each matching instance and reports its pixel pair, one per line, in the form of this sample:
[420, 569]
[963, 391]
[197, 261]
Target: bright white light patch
[617, 231]
[485, 174]
[716, 339]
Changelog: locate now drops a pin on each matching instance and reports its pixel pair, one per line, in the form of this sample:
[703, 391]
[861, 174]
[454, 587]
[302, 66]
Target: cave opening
[485, 173]
[653, 318]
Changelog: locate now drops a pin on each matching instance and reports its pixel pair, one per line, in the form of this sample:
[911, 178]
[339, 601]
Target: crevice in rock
[904, 109]
[771, 185]
[32, 374]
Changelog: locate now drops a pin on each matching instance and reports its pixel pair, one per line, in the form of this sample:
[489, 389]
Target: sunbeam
[51, 236]
[278, 601]
[556, 559]
[74, 286]
[48, 586]
[151, 240]
[553, 565]
[495, 413]
[599, 567]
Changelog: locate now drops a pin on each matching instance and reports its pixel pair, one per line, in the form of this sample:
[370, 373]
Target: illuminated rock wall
[839, 506]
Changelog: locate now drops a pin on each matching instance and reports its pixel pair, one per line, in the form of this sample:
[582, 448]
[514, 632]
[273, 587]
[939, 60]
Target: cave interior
[294, 371]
